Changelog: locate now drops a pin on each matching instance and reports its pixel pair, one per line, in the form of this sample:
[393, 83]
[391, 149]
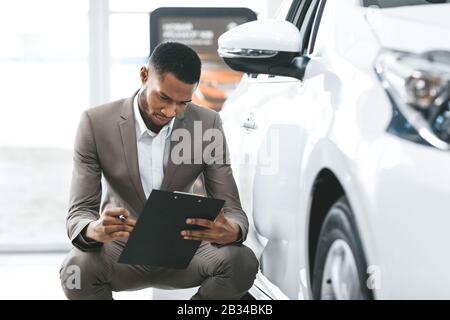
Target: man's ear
[144, 75]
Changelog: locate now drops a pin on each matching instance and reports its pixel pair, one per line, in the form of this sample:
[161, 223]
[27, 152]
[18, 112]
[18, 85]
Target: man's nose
[169, 110]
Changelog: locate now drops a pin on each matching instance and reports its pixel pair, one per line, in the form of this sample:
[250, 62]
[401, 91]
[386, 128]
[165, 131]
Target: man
[128, 142]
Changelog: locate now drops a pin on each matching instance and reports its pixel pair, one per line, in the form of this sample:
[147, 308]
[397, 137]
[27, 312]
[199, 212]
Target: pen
[122, 218]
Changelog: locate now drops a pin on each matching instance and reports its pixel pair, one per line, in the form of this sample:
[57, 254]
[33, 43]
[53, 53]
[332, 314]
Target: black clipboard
[156, 239]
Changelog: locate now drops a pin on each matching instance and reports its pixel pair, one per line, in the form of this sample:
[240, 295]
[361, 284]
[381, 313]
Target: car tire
[340, 268]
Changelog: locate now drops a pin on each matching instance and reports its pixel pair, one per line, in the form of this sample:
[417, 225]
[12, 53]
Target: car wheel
[340, 268]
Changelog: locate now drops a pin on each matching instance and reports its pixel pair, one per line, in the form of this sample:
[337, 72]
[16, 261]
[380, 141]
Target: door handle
[250, 123]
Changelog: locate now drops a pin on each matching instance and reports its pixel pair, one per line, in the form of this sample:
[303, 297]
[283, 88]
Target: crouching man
[128, 143]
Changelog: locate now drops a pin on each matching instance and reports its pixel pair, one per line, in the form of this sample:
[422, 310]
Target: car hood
[414, 28]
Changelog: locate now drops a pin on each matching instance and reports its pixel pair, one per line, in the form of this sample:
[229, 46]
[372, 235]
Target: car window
[306, 22]
[300, 12]
[315, 26]
[306, 25]
[293, 10]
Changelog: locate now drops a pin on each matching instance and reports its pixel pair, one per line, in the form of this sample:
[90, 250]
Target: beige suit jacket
[106, 146]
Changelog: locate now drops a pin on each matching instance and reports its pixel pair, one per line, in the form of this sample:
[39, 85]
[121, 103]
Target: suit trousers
[222, 272]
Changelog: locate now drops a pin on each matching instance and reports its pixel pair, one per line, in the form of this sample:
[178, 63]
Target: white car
[339, 138]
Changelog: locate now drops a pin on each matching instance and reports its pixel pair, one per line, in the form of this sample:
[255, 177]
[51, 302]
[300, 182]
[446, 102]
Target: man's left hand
[219, 231]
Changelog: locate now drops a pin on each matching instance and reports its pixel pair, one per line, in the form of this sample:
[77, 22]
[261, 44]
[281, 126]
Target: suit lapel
[129, 144]
[171, 168]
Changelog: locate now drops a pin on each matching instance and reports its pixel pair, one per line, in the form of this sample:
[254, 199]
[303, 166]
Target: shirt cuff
[239, 240]
[84, 244]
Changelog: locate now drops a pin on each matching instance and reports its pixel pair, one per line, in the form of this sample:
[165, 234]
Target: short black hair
[178, 59]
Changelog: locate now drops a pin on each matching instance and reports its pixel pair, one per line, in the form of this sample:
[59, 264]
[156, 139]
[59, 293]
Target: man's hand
[219, 231]
[109, 227]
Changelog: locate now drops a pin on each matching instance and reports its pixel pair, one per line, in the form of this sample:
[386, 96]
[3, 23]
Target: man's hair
[178, 59]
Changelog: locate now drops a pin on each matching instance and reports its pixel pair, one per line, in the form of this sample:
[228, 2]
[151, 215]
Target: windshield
[400, 3]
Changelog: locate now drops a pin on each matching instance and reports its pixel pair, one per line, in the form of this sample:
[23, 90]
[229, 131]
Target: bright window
[44, 83]
[130, 38]
[130, 46]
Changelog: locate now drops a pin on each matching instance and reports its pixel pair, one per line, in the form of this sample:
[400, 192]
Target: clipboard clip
[190, 194]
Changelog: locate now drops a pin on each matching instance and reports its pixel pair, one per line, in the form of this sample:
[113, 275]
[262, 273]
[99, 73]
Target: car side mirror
[264, 47]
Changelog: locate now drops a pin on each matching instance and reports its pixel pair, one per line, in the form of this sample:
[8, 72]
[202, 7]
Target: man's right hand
[109, 227]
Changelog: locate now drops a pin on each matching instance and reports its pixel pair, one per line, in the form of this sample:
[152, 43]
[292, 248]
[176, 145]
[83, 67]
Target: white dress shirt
[151, 149]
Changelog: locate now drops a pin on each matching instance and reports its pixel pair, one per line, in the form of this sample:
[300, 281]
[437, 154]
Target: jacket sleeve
[86, 189]
[220, 183]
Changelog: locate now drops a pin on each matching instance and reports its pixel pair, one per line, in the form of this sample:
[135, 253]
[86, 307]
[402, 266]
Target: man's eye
[164, 98]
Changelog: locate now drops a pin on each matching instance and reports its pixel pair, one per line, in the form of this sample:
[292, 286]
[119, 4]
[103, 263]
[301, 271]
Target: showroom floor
[35, 276]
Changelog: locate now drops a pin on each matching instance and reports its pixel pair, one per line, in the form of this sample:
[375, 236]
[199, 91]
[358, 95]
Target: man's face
[163, 97]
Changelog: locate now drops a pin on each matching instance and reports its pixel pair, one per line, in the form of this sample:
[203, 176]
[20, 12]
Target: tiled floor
[35, 276]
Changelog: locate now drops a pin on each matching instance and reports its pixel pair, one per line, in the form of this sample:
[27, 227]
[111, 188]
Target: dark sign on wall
[200, 29]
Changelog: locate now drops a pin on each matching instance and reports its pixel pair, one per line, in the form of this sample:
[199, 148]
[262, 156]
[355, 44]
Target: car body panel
[417, 28]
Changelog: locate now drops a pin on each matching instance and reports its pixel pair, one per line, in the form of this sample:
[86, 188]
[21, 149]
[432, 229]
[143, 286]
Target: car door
[270, 131]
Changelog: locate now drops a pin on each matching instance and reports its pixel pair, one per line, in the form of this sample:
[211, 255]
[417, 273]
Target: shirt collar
[142, 128]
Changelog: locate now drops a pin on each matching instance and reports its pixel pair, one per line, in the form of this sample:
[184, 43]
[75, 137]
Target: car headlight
[419, 89]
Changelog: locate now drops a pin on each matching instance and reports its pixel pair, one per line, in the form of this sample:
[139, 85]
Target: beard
[153, 121]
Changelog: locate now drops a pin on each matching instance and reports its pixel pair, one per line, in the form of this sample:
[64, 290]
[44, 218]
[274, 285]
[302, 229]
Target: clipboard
[156, 239]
